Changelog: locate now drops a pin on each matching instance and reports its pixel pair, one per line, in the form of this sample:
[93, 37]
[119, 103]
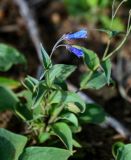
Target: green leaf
[93, 114]
[10, 83]
[8, 100]
[9, 56]
[96, 81]
[46, 59]
[70, 117]
[45, 153]
[30, 83]
[76, 144]
[92, 3]
[116, 147]
[38, 94]
[60, 72]
[26, 112]
[107, 69]
[121, 151]
[11, 145]
[64, 133]
[44, 136]
[117, 23]
[91, 59]
[65, 97]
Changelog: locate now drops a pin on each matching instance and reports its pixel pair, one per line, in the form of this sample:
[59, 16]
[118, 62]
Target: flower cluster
[82, 34]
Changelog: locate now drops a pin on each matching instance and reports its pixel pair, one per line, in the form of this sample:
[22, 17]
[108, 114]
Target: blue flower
[77, 35]
[77, 51]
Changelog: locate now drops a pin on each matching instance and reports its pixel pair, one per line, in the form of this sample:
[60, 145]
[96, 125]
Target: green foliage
[9, 56]
[66, 97]
[93, 114]
[11, 145]
[107, 69]
[91, 59]
[47, 153]
[8, 100]
[121, 151]
[46, 59]
[93, 11]
[10, 83]
[63, 131]
[93, 80]
[60, 72]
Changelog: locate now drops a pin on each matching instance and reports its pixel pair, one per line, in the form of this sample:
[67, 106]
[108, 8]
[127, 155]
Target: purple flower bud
[78, 52]
[77, 35]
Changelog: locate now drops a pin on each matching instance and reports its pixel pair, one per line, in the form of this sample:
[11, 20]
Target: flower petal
[77, 35]
[78, 52]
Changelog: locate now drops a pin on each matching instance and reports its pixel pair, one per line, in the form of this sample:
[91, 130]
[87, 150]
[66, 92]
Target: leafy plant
[49, 109]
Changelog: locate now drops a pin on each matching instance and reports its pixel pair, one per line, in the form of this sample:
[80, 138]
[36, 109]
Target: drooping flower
[77, 51]
[77, 35]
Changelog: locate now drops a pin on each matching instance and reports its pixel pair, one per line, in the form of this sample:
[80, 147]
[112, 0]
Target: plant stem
[61, 39]
[107, 48]
[120, 45]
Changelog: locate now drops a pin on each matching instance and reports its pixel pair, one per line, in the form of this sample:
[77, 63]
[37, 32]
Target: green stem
[107, 48]
[120, 45]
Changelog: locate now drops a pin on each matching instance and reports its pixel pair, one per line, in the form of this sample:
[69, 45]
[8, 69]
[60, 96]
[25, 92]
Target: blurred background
[25, 24]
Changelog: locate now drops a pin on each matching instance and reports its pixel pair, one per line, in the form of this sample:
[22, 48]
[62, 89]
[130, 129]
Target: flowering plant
[46, 105]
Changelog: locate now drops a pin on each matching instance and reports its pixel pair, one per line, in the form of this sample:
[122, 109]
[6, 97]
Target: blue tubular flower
[77, 35]
[78, 52]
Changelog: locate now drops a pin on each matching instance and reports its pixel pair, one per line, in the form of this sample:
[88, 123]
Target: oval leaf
[70, 117]
[64, 133]
[93, 114]
[91, 59]
[96, 81]
[10, 83]
[123, 152]
[60, 72]
[45, 153]
[8, 100]
[65, 97]
[9, 56]
[11, 145]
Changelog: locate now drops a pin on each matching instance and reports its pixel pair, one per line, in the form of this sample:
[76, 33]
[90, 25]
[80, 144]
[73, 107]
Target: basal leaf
[64, 133]
[11, 145]
[45, 153]
[9, 56]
